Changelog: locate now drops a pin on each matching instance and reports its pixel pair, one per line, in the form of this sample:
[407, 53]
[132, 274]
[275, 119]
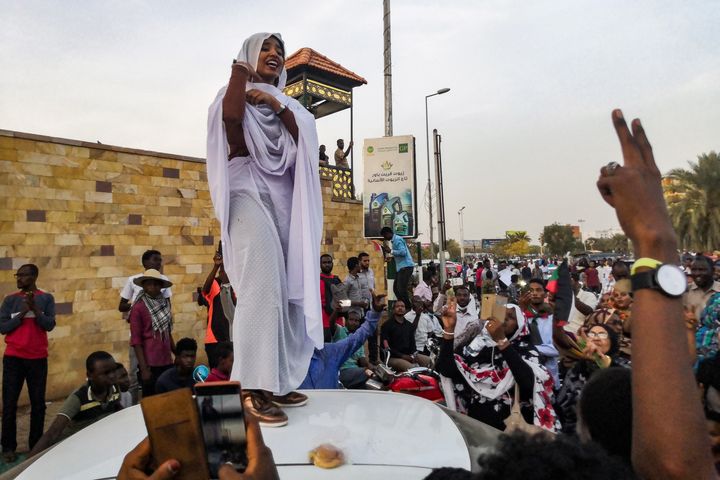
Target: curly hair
[519, 456]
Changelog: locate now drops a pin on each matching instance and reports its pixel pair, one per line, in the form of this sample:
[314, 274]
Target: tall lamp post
[462, 234]
[429, 185]
[580, 222]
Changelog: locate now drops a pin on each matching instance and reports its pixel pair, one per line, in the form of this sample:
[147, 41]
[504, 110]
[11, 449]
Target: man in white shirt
[151, 259]
[584, 304]
[604, 271]
[466, 309]
[424, 323]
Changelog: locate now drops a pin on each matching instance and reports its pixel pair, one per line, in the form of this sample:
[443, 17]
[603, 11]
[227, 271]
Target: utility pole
[442, 238]
[462, 235]
[388, 69]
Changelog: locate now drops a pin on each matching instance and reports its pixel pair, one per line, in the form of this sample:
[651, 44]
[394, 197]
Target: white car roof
[377, 431]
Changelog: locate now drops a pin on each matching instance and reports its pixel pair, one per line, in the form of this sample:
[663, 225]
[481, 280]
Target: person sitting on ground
[398, 336]
[151, 330]
[425, 323]
[181, 375]
[355, 371]
[225, 358]
[496, 362]
[325, 364]
[94, 400]
[601, 351]
[122, 380]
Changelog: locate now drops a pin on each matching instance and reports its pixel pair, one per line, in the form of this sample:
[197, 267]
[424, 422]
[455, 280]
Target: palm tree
[516, 236]
[693, 198]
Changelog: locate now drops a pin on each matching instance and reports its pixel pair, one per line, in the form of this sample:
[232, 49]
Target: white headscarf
[250, 52]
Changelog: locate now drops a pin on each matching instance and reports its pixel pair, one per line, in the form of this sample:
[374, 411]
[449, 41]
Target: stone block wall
[85, 213]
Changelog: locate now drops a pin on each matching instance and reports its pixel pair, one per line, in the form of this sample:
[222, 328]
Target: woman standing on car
[487, 371]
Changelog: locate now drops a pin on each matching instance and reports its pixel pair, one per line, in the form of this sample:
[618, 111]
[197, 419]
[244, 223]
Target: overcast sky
[525, 127]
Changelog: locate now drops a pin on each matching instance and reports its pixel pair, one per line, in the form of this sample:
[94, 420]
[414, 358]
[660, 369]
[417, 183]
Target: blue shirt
[401, 252]
[325, 364]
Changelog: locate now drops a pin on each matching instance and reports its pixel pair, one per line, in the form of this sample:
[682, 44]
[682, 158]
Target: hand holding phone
[223, 425]
[173, 425]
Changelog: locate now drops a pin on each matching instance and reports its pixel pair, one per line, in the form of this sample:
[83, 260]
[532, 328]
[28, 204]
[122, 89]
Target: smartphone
[223, 425]
[174, 429]
[486, 307]
[345, 303]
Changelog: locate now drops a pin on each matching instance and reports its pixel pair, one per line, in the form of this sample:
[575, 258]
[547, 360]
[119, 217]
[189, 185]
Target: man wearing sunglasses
[25, 318]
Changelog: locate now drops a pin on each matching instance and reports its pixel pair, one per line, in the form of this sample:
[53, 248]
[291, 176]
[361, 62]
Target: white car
[382, 434]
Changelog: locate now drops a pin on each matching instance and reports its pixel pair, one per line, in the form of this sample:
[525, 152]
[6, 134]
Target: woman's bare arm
[234, 110]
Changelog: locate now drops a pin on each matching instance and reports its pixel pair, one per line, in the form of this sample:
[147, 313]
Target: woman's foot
[261, 405]
[292, 399]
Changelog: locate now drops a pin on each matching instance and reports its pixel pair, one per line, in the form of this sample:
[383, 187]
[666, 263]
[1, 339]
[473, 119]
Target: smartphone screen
[223, 424]
[345, 303]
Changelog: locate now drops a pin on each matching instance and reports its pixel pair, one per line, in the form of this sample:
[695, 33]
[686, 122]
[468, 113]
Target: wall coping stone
[98, 146]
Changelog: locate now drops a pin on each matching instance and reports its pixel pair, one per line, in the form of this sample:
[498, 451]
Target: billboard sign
[488, 243]
[389, 189]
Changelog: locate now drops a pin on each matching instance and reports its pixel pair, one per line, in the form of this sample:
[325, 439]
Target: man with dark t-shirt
[181, 375]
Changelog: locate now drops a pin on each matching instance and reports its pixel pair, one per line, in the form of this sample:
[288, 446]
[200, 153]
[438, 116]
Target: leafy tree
[453, 249]
[618, 243]
[534, 250]
[693, 198]
[560, 239]
[517, 248]
[426, 252]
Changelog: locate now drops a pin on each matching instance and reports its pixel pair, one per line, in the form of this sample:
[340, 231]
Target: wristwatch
[667, 279]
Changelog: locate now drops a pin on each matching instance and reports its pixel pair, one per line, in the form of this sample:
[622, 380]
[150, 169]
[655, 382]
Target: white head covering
[485, 340]
[250, 52]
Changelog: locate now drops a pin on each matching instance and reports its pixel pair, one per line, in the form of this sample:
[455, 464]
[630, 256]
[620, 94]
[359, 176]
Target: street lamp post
[462, 234]
[429, 184]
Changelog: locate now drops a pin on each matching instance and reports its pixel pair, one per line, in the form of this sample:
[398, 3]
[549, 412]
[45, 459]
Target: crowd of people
[588, 367]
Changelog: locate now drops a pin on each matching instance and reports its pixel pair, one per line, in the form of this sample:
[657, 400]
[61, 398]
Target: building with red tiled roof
[308, 60]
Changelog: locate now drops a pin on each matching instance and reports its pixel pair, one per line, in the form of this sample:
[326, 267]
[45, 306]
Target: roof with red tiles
[308, 56]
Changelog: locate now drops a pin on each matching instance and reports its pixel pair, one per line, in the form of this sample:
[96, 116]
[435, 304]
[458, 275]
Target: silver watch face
[672, 280]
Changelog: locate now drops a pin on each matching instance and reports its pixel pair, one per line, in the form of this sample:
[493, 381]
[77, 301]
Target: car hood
[376, 430]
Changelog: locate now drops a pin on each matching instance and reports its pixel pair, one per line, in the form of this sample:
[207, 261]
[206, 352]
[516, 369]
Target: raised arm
[664, 445]
[217, 262]
[234, 108]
